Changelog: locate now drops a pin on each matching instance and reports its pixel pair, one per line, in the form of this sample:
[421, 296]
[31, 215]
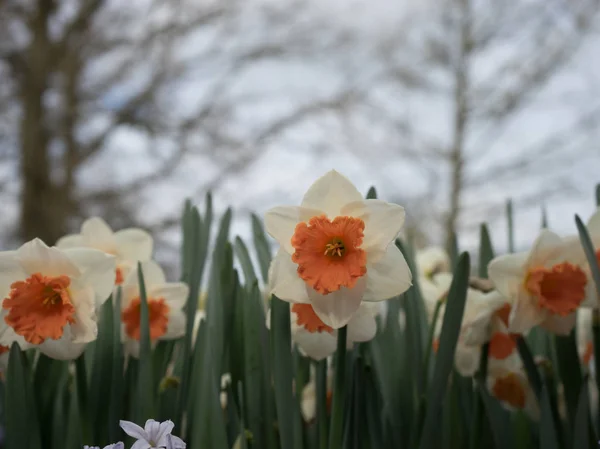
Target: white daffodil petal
[330, 193]
[316, 345]
[281, 222]
[97, 234]
[153, 274]
[132, 347]
[85, 327]
[284, 280]
[506, 273]
[174, 293]
[128, 294]
[10, 271]
[336, 309]
[546, 249]
[133, 430]
[309, 402]
[524, 314]
[141, 444]
[383, 221]
[64, 348]
[560, 325]
[134, 244]
[8, 335]
[593, 225]
[466, 359]
[362, 326]
[97, 270]
[176, 325]
[388, 277]
[70, 241]
[36, 257]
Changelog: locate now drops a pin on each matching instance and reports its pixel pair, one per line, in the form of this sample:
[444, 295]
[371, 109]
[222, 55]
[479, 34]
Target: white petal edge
[316, 345]
[134, 244]
[362, 327]
[507, 272]
[10, 271]
[133, 430]
[284, 280]
[153, 275]
[174, 293]
[281, 222]
[97, 234]
[524, 314]
[70, 241]
[390, 276]
[383, 222]
[336, 309]
[330, 193]
[36, 257]
[97, 270]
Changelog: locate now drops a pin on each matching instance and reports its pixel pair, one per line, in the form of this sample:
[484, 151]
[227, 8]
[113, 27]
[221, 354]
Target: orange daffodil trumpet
[337, 250]
[50, 297]
[165, 307]
[544, 286]
[129, 246]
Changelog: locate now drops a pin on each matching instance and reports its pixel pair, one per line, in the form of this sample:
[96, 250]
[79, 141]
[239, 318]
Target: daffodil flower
[482, 322]
[544, 286]
[129, 245]
[507, 382]
[432, 260]
[308, 403]
[337, 250]
[50, 297]
[165, 306]
[154, 435]
[317, 340]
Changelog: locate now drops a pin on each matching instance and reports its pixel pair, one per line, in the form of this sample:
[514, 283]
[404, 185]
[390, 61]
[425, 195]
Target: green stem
[321, 381]
[81, 384]
[477, 399]
[336, 430]
[533, 375]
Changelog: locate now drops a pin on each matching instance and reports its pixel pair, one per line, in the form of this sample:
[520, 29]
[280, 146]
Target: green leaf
[548, 435]
[47, 377]
[336, 428]
[281, 344]
[590, 252]
[81, 379]
[498, 418]
[372, 193]
[581, 430]
[117, 382]
[453, 250]
[74, 431]
[321, 399]
[445, 356]
[569, 369]
[145, 386]
[101, 374]
[244, 257]
[262, 246]
[533, 375]
[21, 425]
[486, 251]
[510, 226]
[598, 195]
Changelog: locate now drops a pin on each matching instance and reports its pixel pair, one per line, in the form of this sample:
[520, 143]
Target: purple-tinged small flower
[154, 435]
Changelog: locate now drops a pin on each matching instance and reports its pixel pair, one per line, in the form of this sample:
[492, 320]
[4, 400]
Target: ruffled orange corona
[502, 345]
[559, 289]
[328, 252]
[158, 317]
[39, 307]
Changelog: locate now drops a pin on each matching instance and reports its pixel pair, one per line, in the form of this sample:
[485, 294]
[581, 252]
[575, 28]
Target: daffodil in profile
[544, 286]
[337, 250]
[50, 297]
[129, 246]
[165, 307]
[508, 383]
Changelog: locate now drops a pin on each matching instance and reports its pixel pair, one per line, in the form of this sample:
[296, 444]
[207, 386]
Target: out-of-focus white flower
[337, 250]
[507, 382]
[154, 435]
[129, 246]
[225, 382]
[308, 404]
[432, 260]
[544, 286]
[51, 295]
[165, 307]
[481, 323]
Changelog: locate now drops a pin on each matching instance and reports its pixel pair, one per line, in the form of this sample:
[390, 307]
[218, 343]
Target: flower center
[559, 289]
[502, 345]
[307, 318]
[328, 252]
[158, 314]
[509, 389]
[119, 276]
[39, 307]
